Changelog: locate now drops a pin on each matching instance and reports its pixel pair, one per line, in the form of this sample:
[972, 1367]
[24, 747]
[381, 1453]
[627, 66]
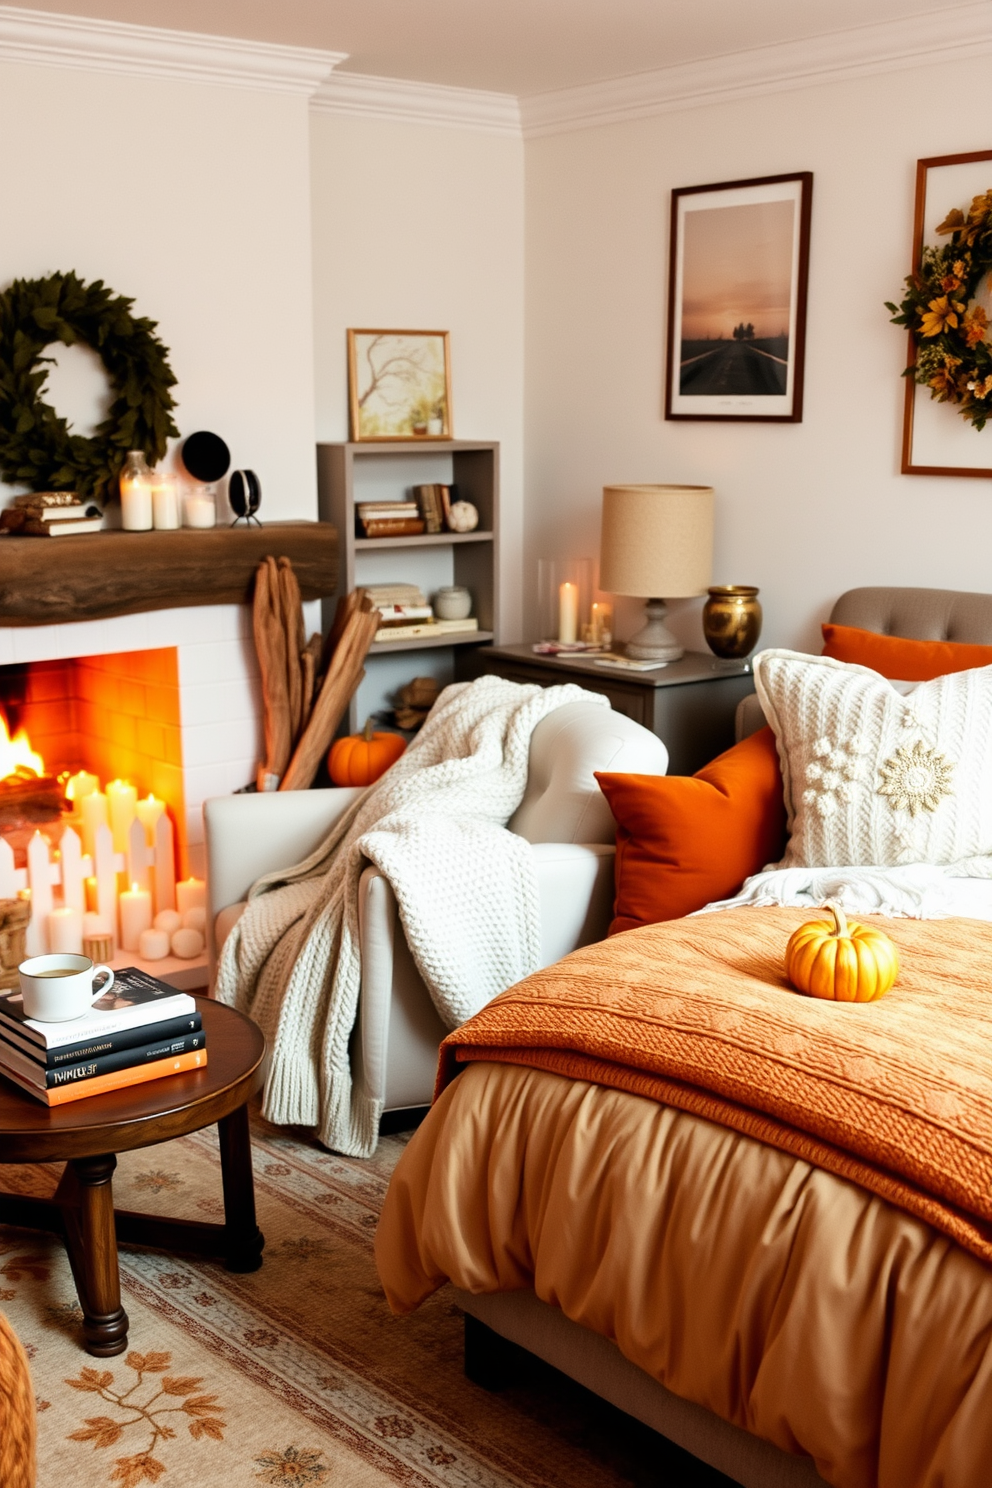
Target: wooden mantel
[44, 581]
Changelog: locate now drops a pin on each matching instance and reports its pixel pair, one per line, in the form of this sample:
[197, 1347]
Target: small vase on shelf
[732, 620]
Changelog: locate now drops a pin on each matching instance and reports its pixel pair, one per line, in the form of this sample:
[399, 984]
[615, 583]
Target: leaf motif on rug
[147, 1415]
[293, 1465]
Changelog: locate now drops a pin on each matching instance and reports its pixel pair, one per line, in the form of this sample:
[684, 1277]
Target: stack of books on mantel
[142, 1029]
[405, 615]
[50, 514]
[389, 519]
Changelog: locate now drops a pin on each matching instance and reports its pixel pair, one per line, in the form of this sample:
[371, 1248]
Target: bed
[786, 1318]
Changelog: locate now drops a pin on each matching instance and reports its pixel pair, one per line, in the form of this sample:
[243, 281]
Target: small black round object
[244, 492]
[205, 456]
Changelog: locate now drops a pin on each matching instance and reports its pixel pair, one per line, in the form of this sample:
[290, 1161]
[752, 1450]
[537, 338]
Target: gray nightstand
[690, 704]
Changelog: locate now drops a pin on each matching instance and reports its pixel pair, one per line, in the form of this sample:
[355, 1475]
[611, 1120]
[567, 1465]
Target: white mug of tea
[58, 988]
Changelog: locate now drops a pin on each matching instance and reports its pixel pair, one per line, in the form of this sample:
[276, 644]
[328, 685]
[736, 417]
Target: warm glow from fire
[17, 754]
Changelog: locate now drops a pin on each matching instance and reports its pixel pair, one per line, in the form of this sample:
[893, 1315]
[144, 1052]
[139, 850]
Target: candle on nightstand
[135, 906]
[568, 612]
[65, 931]
[191, 893]
[122, 799]
[153, 945]
[148, 812]
[95, 813]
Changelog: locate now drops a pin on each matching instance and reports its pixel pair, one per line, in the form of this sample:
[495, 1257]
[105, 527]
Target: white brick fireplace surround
[220, 701]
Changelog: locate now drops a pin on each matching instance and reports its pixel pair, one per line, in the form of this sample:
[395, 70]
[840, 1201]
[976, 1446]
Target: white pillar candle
[80, 785]
[135, 906]
[568, 612]
[191, 893]
[148, 812]
[200, 511]
[165, 503]
[96, 924]
[136, 504]
[153, 945]
[95, 813]
[122, 798]
[65, 931]
[168, 920]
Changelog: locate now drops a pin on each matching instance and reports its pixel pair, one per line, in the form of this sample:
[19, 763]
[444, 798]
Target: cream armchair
[564, 816]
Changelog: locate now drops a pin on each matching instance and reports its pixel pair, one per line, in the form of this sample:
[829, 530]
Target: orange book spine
[118, 1079]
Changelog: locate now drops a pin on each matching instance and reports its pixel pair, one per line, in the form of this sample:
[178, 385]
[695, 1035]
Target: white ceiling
[509, 46]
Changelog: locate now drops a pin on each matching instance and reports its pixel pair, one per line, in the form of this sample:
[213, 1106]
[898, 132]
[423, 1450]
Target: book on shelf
[426, 630]
[403, 594]
[387, 508]
[404, 614]
[138, 1074]
[392, 526]
[429, 502]
[55, 521]
[43, 1078]
[136, 1000]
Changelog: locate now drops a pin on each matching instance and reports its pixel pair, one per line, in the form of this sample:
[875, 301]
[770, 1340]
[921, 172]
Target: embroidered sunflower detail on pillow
[875, 777]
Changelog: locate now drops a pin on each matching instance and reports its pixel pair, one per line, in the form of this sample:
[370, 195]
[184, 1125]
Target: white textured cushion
[873, 777]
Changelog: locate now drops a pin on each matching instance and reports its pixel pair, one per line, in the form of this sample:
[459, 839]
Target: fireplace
[168, 701]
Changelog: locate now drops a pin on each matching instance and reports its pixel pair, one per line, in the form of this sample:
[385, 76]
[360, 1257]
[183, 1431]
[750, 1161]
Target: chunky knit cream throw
[467, 895]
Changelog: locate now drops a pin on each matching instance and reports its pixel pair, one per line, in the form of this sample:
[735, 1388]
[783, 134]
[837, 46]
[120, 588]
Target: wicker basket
[14, 916]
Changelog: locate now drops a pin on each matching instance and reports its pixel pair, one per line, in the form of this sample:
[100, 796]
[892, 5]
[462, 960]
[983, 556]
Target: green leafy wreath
[36, 446]
[952, 356]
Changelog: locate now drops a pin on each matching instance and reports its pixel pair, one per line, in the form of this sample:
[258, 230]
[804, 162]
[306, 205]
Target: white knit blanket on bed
[466, 889]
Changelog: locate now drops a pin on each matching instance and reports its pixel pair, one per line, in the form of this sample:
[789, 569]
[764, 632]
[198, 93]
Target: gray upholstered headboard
[918, 614]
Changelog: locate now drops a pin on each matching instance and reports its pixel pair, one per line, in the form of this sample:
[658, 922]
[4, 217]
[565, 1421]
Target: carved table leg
[92, 1246]
[244, 1240]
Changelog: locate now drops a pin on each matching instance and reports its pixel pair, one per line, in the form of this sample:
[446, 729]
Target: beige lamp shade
[657, 541]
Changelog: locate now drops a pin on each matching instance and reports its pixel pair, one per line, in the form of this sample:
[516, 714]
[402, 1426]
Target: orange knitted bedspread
[895, 1095]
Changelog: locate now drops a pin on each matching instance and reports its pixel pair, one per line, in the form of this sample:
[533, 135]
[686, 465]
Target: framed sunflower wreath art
[947, 308]
[37, 447]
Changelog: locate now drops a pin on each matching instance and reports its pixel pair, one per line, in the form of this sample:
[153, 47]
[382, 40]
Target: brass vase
[732, 620]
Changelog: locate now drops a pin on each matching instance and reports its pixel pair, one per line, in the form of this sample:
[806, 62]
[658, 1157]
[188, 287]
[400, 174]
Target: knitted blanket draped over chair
[434, 825]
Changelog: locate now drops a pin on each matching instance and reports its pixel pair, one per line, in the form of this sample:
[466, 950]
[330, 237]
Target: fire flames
[16, 755]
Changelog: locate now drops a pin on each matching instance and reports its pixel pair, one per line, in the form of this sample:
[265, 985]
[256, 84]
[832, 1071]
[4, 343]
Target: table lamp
[656, 541]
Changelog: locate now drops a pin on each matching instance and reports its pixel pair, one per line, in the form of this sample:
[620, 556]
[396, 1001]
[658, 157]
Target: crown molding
[954, 34]
[51, 40]
[397, 99]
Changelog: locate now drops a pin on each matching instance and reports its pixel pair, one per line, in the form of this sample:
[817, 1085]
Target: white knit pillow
[874, 777]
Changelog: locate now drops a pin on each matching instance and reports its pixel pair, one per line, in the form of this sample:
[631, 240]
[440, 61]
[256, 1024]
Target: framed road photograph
[399, 385]
[936, 440]
[737, 273]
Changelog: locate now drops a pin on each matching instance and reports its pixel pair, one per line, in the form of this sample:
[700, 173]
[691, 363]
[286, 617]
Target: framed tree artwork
[399, 385]
[942, 426]
[737, 275]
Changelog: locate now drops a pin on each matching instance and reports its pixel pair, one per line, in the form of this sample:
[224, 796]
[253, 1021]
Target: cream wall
[416, 225]
[805, 510]
[193, 198]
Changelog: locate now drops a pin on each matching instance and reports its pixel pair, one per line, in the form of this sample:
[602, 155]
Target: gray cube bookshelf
[348, 473]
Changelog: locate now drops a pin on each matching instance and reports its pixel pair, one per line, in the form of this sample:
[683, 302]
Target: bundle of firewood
[14, 916]
[306, 685]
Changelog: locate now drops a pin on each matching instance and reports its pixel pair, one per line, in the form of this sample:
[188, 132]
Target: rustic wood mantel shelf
[47, 581]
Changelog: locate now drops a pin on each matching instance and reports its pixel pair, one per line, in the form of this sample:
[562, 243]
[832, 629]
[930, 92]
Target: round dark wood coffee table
[86, 1135]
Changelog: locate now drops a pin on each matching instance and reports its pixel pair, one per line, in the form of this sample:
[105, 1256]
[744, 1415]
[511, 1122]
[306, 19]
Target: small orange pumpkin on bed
[843, 962]
[361, 758]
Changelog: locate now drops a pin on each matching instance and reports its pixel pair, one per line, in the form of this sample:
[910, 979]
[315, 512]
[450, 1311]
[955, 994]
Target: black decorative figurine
[244, 492]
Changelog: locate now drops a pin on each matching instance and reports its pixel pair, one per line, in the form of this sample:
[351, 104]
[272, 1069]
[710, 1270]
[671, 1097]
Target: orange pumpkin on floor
[361, 758]
[844, 962]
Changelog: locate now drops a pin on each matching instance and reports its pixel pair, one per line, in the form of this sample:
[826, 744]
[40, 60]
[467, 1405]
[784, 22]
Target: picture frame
[738, 272]
[936, 440]
[399, 385]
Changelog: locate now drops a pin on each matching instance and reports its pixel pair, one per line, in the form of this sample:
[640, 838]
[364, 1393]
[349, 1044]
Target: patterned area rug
[297, 1374]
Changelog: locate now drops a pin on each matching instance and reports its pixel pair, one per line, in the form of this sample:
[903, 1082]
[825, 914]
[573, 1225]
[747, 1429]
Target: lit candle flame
[16, 754]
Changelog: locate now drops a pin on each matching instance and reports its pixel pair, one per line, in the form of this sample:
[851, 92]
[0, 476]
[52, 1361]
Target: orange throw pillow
[684, 840]
[899, 659]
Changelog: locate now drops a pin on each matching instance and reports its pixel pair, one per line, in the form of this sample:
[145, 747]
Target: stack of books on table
[50, 514]
[142, 1029]
[389, 519]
